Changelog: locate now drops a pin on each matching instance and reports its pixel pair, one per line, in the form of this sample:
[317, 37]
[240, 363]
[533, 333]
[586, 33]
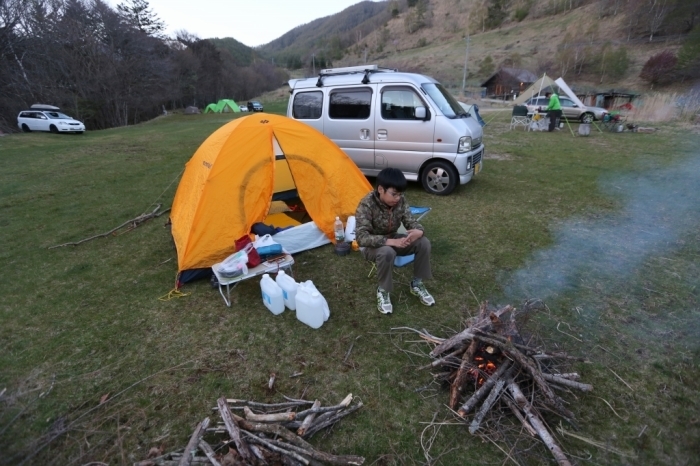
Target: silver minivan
[384, 118]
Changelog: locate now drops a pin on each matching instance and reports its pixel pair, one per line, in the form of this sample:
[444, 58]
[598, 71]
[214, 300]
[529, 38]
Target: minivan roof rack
[364, 69]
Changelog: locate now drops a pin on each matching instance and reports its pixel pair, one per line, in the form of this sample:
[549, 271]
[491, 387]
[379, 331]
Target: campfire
[489, 366]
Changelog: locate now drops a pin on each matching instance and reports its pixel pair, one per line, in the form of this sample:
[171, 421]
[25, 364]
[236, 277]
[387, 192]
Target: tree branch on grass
[134, 222]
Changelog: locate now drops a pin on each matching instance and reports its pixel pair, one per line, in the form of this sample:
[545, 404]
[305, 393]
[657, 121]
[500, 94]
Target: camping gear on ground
[520, 117]
[350, 229]
[326, 309]
[312, 307]
[339, 230]
[191, 110]
[230, 182]
[342, 248]
[289, 289]
[539, 122]
[271, 295]
[614, 122]
[584, 129]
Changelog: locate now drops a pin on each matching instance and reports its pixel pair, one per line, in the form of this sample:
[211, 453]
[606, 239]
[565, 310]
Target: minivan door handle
[382, 135]
[364, 134]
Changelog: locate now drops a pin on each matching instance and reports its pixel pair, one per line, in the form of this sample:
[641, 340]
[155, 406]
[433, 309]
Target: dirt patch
[496, 156]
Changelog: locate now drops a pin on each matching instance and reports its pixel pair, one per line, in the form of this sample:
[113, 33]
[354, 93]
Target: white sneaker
[384, 302]
[418, 289]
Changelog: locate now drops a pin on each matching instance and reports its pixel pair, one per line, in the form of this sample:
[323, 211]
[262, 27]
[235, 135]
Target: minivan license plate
[477, 167]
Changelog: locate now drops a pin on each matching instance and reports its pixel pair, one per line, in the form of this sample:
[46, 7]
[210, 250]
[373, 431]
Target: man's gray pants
[385, 255]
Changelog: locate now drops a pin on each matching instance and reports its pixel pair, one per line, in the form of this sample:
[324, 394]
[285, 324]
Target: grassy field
[604, 229]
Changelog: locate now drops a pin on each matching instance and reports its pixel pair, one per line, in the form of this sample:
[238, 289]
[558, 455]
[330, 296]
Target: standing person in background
[378, 217]
[553, 110]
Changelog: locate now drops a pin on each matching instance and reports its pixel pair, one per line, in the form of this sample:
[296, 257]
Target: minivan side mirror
[420, 113]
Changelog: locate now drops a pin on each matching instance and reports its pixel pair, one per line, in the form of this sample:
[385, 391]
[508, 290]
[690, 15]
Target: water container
[339, 230]
[350, 229]
[289, 289]
[326, 310]
[309, 306]
[272, 295]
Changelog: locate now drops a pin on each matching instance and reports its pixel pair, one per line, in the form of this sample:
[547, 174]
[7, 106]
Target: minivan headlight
[465, 144]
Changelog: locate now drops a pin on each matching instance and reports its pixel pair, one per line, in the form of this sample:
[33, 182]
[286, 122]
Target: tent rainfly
[537, 88]
[244, 167]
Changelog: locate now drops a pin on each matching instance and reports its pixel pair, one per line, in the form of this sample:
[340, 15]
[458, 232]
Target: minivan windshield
[58, 116]
[447, 104]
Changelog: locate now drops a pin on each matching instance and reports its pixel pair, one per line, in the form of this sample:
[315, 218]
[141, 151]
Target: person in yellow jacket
[553, 110]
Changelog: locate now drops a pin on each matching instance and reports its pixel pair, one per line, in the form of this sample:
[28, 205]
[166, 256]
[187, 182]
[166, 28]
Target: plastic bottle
[339, 230]
[289, 289]
[309, 306]
[350, 229]
[326, 310]
[272, 295]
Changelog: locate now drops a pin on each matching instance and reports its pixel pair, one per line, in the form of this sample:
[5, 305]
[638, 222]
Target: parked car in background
[255, 106]
[570, 110]
[48, 118]
[243, 108]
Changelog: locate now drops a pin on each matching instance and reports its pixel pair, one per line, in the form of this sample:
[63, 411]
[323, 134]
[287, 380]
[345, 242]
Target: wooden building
[508, 83]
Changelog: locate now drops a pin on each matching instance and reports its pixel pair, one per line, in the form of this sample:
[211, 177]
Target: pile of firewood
[270, 434]
[489, 366]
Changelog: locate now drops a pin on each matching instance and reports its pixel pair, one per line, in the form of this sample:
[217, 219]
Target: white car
[48, 118]
[243, 108]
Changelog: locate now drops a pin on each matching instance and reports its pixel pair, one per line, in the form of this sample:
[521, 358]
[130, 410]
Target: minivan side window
[307, 105]
[400, 104]
[350, 104]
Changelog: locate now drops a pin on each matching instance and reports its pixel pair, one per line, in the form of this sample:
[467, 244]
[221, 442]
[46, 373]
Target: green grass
[88, 318]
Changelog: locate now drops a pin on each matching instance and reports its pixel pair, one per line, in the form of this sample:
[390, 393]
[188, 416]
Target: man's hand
[413, 235]
[410, 238]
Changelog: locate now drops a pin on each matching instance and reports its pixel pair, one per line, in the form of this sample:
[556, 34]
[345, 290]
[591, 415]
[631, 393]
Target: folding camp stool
[285, 263]
[402, 261]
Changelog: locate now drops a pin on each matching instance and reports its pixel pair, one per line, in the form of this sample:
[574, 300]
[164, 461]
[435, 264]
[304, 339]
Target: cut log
[519, 415]
[309, 419]
[445, 359]
[317, 426]
[567, 382]
[537, 424]
[483, 390]
[186, 459]
[462, 376]
[233, 431]
[274, 417]
[488, 403]
[209, 451]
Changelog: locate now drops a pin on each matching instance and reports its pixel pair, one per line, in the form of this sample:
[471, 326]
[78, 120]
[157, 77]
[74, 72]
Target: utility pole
[313, 60]
[466, 59]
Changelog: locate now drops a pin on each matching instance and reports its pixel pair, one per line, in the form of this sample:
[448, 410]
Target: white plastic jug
[272, 295]
[289, 289]
[326, 309]
[350, 229]
[309, 306]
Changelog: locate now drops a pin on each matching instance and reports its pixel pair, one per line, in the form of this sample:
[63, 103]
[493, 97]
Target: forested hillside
[112, 67]
[637, 44]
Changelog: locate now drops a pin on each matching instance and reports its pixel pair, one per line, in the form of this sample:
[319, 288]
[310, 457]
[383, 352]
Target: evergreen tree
[138, 14]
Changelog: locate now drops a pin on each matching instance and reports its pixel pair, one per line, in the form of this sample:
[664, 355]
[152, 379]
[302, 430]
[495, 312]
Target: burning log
[264, 437]
[491, 355]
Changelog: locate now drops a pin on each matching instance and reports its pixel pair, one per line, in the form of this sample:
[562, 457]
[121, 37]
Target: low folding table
[285, 263]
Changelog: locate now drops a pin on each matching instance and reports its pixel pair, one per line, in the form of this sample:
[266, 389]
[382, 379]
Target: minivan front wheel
[439, 178]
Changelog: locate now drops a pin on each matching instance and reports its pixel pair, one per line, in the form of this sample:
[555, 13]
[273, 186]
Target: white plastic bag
[234, 265]
[265, 240]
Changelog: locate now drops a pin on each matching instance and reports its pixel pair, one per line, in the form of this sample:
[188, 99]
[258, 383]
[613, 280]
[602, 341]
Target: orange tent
[229, 184]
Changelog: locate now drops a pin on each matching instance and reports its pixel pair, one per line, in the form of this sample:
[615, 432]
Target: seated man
[378, 217]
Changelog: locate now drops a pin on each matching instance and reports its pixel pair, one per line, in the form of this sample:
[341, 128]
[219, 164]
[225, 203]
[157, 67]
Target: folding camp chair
[520, 117]
[613, 122]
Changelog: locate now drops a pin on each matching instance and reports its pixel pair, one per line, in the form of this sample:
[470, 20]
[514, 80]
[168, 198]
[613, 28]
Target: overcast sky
[252, 22]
